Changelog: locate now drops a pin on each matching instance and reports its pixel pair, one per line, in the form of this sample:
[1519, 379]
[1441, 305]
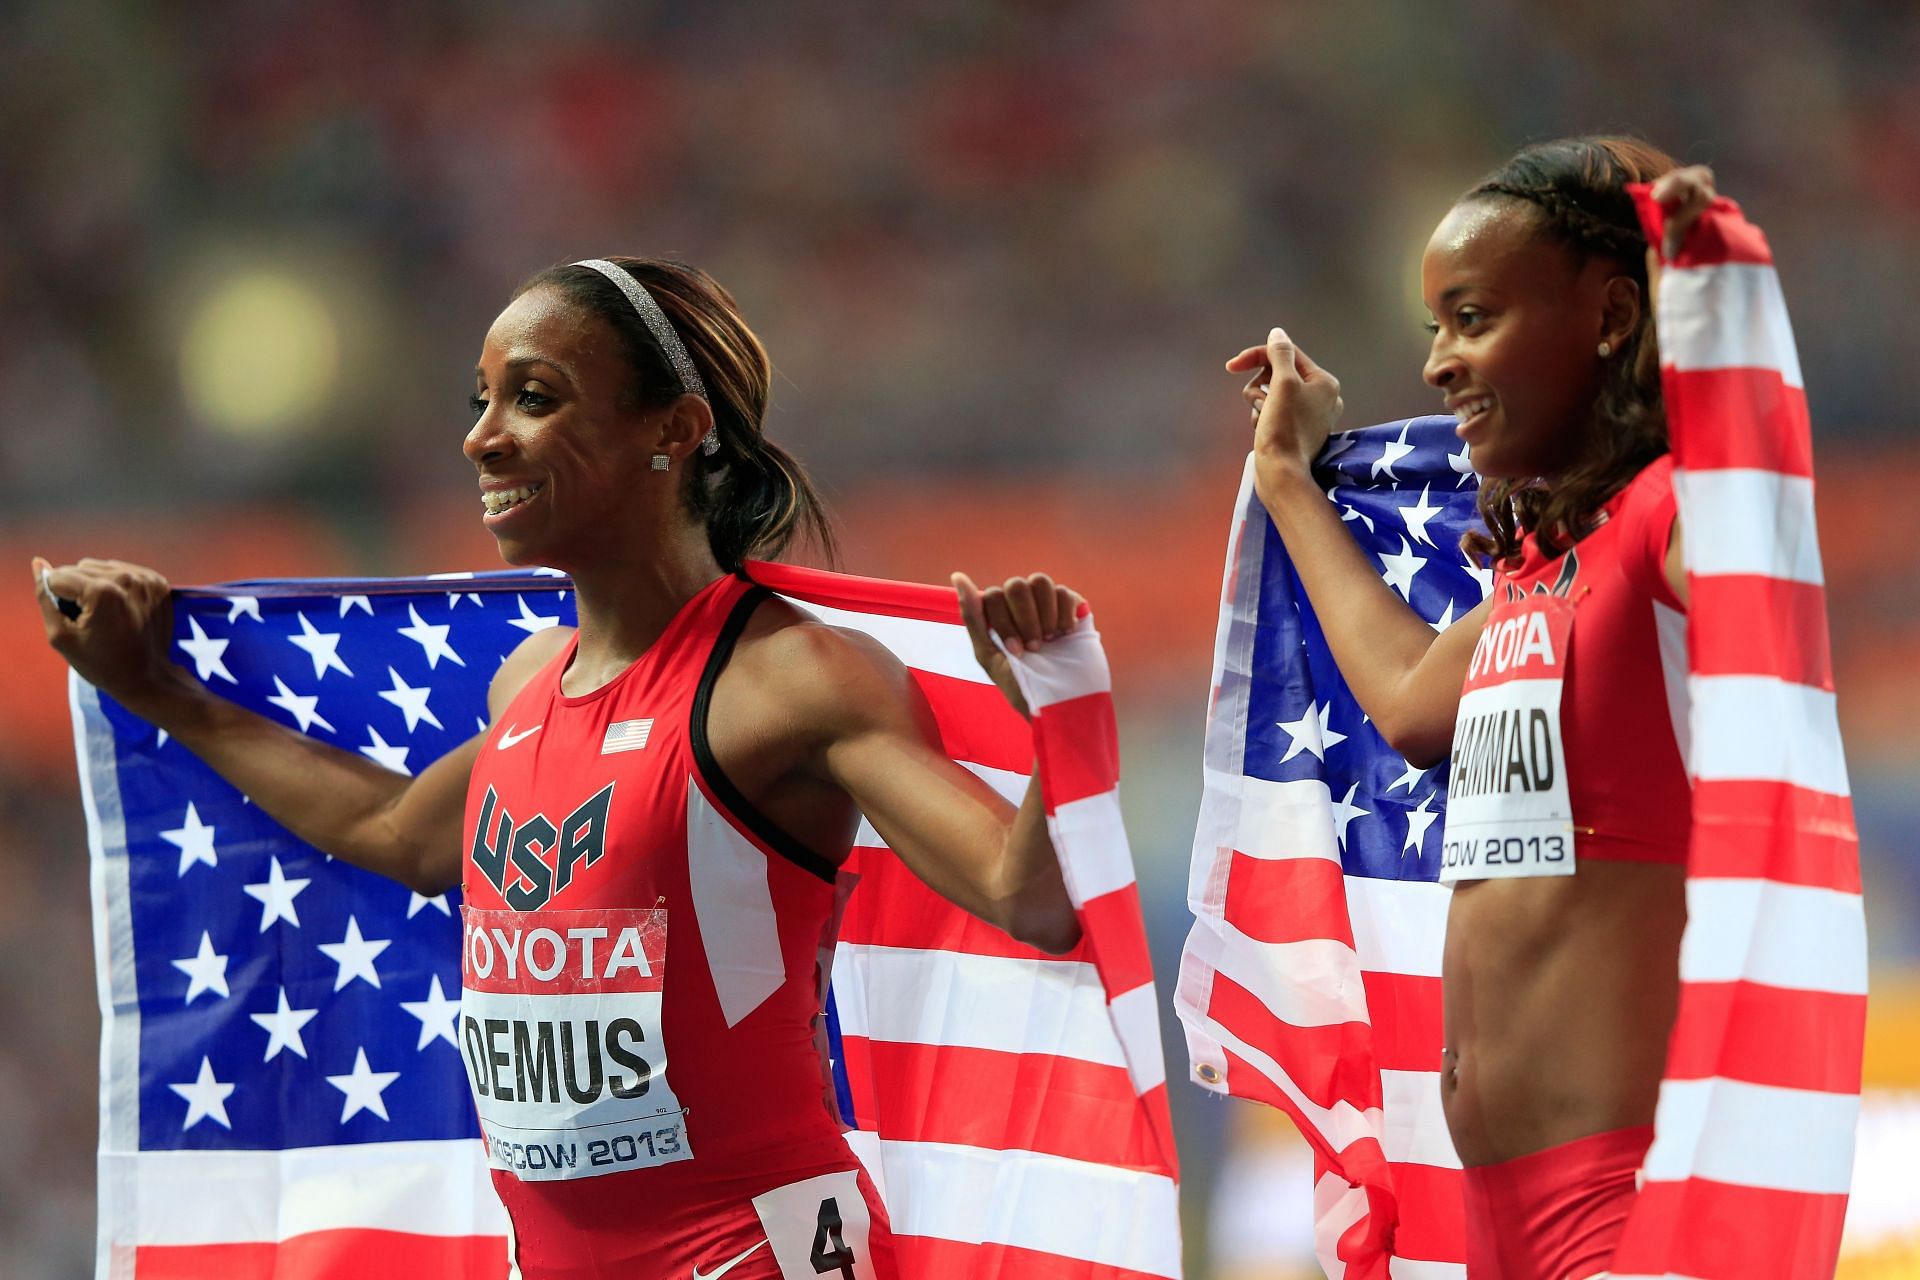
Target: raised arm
[341, 803]
[1404, 676]
[873, 738]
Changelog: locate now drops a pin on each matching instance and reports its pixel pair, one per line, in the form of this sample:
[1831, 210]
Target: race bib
[560, 1028]
[818, 1227]
[1507, 808]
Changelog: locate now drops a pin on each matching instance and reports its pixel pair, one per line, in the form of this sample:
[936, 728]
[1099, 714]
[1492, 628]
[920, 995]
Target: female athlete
[1560, 972]
[647, 836]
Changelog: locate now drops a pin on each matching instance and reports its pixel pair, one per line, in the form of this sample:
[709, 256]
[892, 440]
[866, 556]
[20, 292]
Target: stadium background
[998, 251]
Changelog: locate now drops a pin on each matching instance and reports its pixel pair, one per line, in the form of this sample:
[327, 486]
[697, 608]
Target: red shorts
[811, 1224]
[1555, 1214]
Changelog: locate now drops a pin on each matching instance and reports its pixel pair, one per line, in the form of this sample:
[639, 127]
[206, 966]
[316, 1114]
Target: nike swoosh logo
[508, 738]
[698, 1274]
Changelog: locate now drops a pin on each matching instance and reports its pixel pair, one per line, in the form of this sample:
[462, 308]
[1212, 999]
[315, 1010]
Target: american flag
[1311, 976]
[1752, 1154]
[282, 1094]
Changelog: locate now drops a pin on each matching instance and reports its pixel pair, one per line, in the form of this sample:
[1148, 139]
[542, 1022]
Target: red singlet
[643, 964]
[1624, 708]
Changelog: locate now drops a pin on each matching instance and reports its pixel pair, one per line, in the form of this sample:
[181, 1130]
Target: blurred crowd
[990, 243]
[992, 233]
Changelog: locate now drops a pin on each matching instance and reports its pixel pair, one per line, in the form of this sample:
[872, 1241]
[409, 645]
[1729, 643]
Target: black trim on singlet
[769, 832]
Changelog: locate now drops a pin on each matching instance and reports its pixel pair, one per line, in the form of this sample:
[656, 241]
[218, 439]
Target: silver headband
[663, 332]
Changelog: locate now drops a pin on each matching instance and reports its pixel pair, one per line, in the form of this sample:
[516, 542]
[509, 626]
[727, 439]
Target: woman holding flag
[648, 834]
[1568, 819]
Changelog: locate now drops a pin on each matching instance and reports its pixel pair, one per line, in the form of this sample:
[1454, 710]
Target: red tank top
[644, 954]
[1623, 709]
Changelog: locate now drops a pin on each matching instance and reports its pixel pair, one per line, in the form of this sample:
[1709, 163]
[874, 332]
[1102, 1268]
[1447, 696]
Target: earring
[1606, 349]
[662, 462]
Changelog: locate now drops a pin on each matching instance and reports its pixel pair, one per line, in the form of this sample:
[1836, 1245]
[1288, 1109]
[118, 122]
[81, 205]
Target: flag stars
[350, 603]
[1303, 735]
[436, 1014]
[432, 640]
[1482, 574]
[243, 606]
[275, 895]
[1344, 812]
[418, 902]
[1416, 517]
[206, 1098]
[363, 1087]
[1328, 738]
[1395, 451]
[206, 970]
[1418, 820]
[304, 709]
[529, 621]
[412, 702]
[384, 754]
[194, 839]
[283, 1027]
[354, 955]
[323, 647]
[1462, 464]
[1401, 568]
[1409, 779]
[208, 654]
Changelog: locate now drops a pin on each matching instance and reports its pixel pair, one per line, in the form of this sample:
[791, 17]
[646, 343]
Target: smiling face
[1518, 320]
[562, 451]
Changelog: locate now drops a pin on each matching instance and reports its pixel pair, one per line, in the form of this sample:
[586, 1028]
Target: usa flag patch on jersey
[626, 735]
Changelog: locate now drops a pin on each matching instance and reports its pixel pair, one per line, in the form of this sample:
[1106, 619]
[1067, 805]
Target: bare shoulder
[831, 676]
[531, 654]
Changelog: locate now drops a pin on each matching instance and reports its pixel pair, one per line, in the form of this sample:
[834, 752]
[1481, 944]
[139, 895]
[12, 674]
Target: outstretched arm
[339, 802]
[1404, 677]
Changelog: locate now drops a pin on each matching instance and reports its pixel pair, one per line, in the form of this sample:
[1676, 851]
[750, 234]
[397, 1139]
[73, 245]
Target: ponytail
[752, 495]
[754, 499]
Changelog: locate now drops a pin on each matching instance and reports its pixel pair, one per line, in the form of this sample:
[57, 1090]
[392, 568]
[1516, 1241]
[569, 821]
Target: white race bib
[1507, 808]
[560, 1028]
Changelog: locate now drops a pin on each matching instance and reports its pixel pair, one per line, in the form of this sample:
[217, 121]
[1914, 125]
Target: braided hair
[1578, 188]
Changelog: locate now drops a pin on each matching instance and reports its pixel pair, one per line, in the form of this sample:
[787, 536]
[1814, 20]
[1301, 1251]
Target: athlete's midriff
[1560, 990]
[1559, 993]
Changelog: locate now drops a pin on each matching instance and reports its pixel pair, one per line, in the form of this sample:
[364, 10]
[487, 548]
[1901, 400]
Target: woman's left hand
[1025, 612]
[1684, 195]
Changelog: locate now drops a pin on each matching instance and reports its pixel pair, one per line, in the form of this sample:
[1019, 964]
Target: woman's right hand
[119, 643]
[1295, 405]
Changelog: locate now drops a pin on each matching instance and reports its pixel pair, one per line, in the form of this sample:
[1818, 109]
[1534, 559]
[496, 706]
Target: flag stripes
[1753, 1148]
[1043, 1172]
[1030, 1084]
[953, 1205]
[361, 1253]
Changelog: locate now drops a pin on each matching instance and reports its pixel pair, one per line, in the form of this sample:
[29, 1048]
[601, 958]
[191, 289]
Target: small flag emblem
[626, 735]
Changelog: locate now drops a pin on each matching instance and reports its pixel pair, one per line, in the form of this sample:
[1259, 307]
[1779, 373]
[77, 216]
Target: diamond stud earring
[662, 462]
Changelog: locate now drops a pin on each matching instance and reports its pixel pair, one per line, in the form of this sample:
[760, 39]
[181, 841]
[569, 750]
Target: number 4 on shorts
[819, 1226]
[830, 1253]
